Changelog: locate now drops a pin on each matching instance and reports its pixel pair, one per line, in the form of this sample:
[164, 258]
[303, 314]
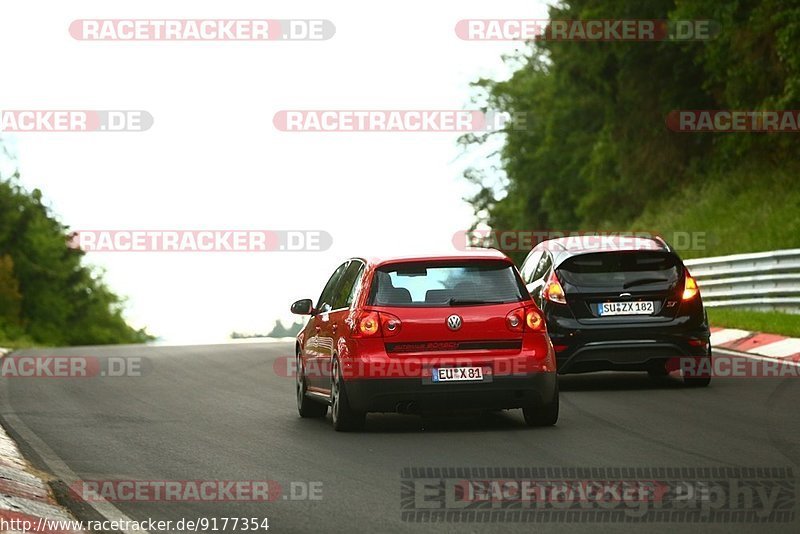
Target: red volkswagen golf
[424, 334]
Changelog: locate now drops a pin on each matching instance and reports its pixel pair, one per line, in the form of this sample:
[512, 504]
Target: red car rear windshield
[446, 284]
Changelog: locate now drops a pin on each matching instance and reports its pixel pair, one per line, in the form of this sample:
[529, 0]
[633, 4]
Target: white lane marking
[778, 349]
[727, 334]
[59, 468]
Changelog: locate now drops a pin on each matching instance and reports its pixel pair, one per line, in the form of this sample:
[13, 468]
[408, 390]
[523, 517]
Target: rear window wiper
[642, 281]
[455, 302]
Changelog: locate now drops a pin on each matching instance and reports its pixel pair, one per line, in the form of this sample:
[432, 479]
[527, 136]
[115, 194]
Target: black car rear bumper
[626, 349]
[595, 352]
[413, 395]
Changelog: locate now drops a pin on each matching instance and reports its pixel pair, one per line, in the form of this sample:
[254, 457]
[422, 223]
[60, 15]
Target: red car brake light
[515, 319]
[367, 324]
[376, 324]
[525, 320]
[390, 325]
[534, 320]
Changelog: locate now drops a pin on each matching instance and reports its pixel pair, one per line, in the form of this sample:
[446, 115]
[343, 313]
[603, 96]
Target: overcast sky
[214, 160]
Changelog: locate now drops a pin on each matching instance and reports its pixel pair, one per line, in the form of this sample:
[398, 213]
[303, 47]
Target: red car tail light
[525, 320]
[375, 324]
[367, 325]
[534, 320]
[390, 325]
[553, 291]
[690, 289]
[515, 319]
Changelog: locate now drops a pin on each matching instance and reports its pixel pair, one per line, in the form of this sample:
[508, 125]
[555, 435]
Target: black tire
[542, 414]
[704, 379]
[658, 371]
[307, 408]
[696, 381]
[345, 419]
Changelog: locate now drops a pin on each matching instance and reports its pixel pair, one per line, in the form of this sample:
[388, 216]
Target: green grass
[786, 324]
[18, 343]
[751, 210]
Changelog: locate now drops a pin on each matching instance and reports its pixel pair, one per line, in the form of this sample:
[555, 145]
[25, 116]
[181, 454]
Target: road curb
[25, 496]
[756, 344]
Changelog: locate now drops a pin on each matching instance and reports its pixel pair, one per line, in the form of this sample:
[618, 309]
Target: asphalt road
[222, 413]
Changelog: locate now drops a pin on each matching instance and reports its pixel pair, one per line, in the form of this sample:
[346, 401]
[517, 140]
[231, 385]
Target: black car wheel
[305, 406]
[345, 419]
[701, 377]
[658, 370]
[539, 414]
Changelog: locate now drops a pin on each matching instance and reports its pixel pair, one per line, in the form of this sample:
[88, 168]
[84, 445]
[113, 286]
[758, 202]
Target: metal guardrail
[762, 280]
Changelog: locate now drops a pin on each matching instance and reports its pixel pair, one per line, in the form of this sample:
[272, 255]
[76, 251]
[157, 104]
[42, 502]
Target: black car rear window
[620, 269]
[445, 284]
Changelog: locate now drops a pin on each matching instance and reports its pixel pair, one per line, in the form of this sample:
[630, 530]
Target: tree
[596, 151]
[47, 293]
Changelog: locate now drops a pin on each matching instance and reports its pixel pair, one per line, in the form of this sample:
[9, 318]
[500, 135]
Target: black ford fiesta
[620, 303]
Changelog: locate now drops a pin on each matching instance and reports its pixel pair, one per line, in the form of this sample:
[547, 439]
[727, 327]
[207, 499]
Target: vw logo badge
[454, 322]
